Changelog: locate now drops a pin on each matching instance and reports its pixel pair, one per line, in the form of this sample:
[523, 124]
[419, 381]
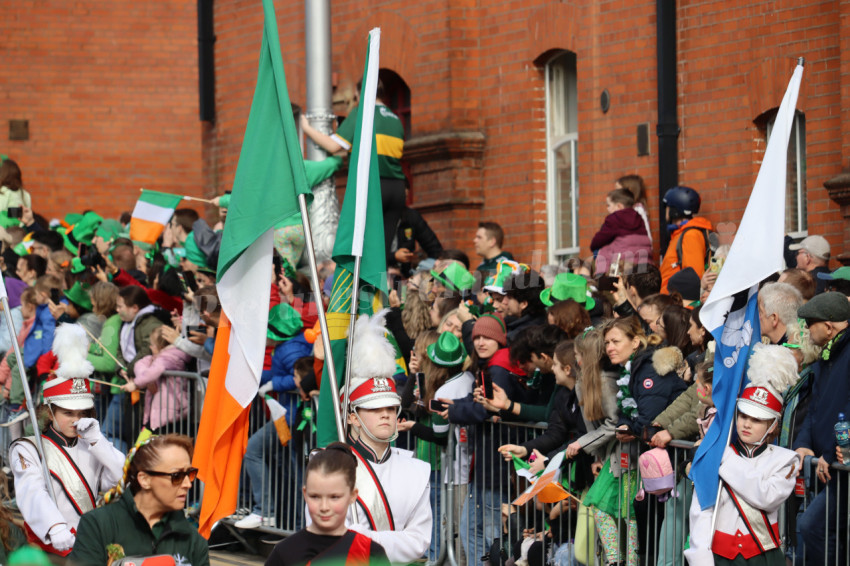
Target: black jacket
[413, 228]
[653, 384]
[565, 423]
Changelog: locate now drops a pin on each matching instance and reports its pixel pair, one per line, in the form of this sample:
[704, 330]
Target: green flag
[269, 178]
[360, 233]
[270, 173]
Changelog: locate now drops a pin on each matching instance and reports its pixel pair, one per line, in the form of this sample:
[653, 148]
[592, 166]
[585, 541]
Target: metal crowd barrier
[474, 519]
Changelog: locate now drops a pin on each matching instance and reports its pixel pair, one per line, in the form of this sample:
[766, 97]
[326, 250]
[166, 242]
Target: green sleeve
[536, 413]
[16, 392]
[110, 337]
[438, 421]
[318, 171]
[224, 201]
[89, 548]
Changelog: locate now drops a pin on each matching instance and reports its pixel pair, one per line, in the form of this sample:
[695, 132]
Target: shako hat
[372, 365]
[69, 388]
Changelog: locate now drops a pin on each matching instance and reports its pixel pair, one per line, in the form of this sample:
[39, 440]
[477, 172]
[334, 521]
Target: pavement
[228, 558]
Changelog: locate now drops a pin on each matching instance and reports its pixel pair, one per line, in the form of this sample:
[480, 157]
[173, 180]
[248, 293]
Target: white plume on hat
[71, 346]
[772, 367]
[372, 355]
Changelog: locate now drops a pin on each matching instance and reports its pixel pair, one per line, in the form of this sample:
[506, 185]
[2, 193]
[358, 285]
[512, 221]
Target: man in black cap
[826, 316]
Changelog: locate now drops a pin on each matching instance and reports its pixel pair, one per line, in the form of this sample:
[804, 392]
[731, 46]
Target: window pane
[564, 192]
[562, 141]
[796, 211]
[563, 111]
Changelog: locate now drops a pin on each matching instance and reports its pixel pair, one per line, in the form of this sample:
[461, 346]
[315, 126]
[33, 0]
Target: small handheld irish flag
[152, 212]
[278, 414]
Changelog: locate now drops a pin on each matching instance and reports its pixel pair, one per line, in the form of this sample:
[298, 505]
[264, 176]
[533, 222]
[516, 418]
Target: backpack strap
[704, 233]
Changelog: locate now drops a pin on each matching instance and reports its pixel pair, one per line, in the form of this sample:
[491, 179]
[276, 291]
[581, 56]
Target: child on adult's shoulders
[623, 233]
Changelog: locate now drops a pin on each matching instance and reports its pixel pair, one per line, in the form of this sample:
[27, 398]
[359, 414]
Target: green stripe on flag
[164, 200]
[373, 266]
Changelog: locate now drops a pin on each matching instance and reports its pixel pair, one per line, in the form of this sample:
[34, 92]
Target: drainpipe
[667, 129]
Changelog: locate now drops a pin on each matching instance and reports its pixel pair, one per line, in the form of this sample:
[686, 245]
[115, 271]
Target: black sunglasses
[176, 477]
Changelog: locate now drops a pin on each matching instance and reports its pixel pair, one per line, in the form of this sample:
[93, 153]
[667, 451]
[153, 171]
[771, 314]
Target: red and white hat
[70, 388]
[771, 371]
[760, 403]
[375, 393]
[372, 365]
[73, 394]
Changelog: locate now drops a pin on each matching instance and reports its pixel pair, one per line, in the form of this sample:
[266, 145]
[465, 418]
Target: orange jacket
[693, 250]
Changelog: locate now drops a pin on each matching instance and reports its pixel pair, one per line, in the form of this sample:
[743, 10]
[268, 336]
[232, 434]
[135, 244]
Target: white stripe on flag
[244, 291]
[152, 212]
[367, 113]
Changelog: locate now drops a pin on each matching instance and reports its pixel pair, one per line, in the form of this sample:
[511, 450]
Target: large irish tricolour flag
[269, 178]
[731, 310]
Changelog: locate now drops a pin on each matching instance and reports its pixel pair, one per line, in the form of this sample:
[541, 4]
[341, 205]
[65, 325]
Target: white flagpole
[4, 298]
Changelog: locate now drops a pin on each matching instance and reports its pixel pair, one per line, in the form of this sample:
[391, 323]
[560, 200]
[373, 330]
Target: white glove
[266, 387]
[88, 430]
[61, 537]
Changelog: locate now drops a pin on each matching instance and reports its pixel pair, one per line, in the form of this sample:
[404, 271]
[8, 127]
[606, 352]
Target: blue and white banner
[731, 311]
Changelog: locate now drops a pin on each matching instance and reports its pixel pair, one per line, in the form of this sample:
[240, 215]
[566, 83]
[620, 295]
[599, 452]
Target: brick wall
[477, 142]
[110, 93]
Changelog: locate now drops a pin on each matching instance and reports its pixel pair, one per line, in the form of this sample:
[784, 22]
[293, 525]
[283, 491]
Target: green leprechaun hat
[447, 351]
[455, 277]
[568, 286]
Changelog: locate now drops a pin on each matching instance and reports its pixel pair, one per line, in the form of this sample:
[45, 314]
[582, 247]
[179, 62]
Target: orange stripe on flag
[222, 439]
[145, 230]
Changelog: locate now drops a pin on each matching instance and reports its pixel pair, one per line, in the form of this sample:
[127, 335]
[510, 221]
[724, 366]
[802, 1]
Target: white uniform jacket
[763, 481]
[102, 466]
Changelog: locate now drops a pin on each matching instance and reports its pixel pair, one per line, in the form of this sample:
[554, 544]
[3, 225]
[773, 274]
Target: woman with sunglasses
[147, 519]
[81, 461]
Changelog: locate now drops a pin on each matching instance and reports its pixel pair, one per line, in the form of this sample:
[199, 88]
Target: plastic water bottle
[842, 438]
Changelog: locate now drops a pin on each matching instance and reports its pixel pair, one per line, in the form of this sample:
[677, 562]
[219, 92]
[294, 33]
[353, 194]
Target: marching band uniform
[756, 481]
[393, 504]
[80, 467]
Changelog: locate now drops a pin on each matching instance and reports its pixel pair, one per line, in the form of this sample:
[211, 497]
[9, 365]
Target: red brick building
[503, 99]
[503, 94]
[108, 92]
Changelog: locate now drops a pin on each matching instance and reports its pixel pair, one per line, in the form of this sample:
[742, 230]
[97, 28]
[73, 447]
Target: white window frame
[801, 229]
[553, 144]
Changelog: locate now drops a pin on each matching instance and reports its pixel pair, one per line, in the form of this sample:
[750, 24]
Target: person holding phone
[481, 524]
[435, 360]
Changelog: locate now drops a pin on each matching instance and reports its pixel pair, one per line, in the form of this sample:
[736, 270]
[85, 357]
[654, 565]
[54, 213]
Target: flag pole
[323, 321]
[4, 298]
[349, 347]
[728, 441]
[801, 61]
[367, 136]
